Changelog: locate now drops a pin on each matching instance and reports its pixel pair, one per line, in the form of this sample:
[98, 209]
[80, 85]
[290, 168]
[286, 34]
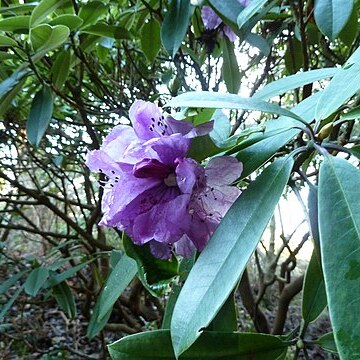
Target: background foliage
[69, 72]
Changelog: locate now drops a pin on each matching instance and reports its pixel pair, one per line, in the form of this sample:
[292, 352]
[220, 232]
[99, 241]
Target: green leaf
[36, 280]
[154, 273]
[327, 342]
[46, 37]
[226, 319]
[224, 258]
[227, 101]
[228, 9]
[65, 299]
[156, 345]
[43, 9]
[170, 304]
[71, 21]
[351, 115]
[111, 31]
[254, 7]
[230, 69]
[150, 39]
[91, 12]
[294, 59]
[61, 68]
[40, 115]
[8, 283]
[349, 32]
[175, 24]
[348, 80]
[314, 294]
[332, 15]
[9, 83]
[5, 308]
[259, 148]
[18, 9]
[19, 23]
[339, 223]
[355, 150]
[118, 280]
[5, 41]
[7, 99]
[291, 82]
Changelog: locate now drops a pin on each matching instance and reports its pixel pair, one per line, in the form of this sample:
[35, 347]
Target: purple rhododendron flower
[153, 191]
[244, 2]
[212, 21]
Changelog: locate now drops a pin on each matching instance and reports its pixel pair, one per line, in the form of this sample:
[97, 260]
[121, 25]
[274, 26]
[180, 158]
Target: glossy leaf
[227, 101]
[220, 265]
[40, 116]
[6, 41]
[111, 31]
[65, 299]
[355, 150]
[118, 280]
[45, 37]
[332, 15]
[156, 345]
[175, 24]
[43, 9]
[21, 22]
[150, 39]
[228, 9]
[249, 12]
[36, 280]
[71, 21]
[294, 59]
[291, 82]
[155, 274]
[339, 223]
[170, 304]
[230, 69]
[9, 83]
[61, 68]
[327, 342]
[91, 12]
[314, 294]
[349, 32]
[348, 80]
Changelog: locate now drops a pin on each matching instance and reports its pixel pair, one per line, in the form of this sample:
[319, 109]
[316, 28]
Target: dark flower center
[170, 180]
[151, 168]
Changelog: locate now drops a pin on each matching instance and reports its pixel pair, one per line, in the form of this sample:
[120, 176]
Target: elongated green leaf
[339, 222]
[91, 12]
[36, 280]
[156, 345]
[6, 41]
[43, 9]
[45, 37]
[332, 15]
[249, 12]
[170, 304]
[226, 319]
[224, 258]
[65, 299]
[5, 308]
[327, 342]
[40, 115]
[293, 82]
[348, 80]
[7, 99]
[8, 283]
[150, 39]
[111, 31]
[230, 69]
[351, 115]
[68, 20]
[175, 24]
[314, 294]
[95, 325]
[13, 23]
[355, 150]
[18, 9]
[61, 68]
[350, 31]
[227, 101]
[229, 9]
[9, 83]
[259, 148]
[119, 279]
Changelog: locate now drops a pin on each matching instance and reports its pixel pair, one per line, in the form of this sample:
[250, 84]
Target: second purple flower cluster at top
[155, 192]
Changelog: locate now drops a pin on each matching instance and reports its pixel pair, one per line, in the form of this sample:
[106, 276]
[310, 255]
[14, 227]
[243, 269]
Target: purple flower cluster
[153, 191]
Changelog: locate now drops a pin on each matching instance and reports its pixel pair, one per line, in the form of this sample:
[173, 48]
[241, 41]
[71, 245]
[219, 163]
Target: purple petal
[185, 247]
[244, 2]
[210, 18]
[229, 33]
[164, 222]
[160, 250]
[169, 148]
[151, 168]
[188, 173]
[223, 170]
[100, 161]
